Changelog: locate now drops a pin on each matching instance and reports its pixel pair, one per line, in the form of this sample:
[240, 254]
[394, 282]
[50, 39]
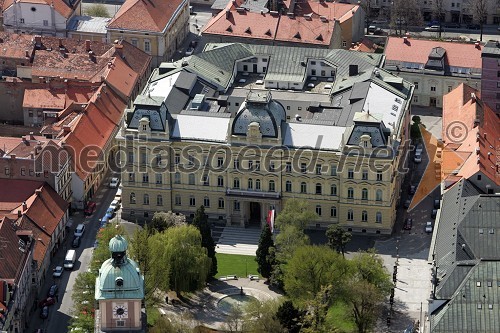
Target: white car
[57, 272]
[119, 191]
[242, 80]
[114, 182]
[428, 227]
[310, 85]
[417, 158]
[80, 229]
[433, 28]
[115, 205]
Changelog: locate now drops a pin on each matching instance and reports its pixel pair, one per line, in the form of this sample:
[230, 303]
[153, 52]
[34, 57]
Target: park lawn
[338, 317]
[235, 264]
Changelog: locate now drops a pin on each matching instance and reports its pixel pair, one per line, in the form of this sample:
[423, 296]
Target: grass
[235, 264]
[153, 315]
[337, 317]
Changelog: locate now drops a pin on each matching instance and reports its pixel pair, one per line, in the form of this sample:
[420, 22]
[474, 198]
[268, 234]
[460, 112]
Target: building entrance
[255, 213]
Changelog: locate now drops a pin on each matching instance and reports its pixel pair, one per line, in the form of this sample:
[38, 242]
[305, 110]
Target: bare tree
[439, 11]
[479, 10]
[405, 13]
[367, 7]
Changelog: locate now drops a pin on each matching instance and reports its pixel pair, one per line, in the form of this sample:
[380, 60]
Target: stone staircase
[234, 240]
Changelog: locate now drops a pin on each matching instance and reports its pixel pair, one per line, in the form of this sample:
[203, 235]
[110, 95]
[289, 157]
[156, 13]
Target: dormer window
[144, 127]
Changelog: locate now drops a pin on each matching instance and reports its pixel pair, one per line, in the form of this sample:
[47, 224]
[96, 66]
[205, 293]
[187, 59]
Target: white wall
[33, 19]
[77, 186]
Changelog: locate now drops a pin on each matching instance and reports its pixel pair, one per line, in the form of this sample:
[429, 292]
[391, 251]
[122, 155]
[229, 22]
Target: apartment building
[490, 76]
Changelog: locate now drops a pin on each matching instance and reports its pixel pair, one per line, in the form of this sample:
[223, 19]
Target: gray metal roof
[491, 49]
[88, 24]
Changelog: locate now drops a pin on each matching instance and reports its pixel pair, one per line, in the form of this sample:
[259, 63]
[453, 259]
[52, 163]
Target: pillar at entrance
[242, 214]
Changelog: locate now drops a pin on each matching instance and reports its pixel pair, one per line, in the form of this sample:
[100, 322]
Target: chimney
[91, 56]
[32, 137]
[87, 45]
[405, 40]
[477, 45]
[228, 13]
[19, 213]
[38, 40]
[25, 206]
[353, 70]
[38, 192]
[66, 129]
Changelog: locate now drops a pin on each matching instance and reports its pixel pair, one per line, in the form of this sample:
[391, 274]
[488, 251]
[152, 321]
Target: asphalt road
[489, 33]
[61, 312]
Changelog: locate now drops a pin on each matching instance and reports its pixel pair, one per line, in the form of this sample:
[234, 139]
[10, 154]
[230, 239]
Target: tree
[101, 252]
[98, 10]
[234, 320]
[260, 317]
[338, 238]
[296, 213]
[200, 221]
[439, 11]
[164, 220]
[311, 268]
[366, 288]
[405, 13]
[479, 9]
[263, 258]
[290, 317]
[317, 309]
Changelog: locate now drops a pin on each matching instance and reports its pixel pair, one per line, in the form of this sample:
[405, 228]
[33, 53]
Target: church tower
[119, 292]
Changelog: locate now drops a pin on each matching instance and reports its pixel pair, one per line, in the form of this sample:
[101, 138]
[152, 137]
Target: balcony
[253, 193]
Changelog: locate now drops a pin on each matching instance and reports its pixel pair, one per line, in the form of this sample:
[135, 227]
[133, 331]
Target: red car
[47, 302]
[90, 208]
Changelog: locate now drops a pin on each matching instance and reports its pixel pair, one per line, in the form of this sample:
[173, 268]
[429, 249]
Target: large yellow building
[242, 128]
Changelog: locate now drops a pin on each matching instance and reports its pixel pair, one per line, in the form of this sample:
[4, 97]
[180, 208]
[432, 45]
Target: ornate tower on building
[119, 292]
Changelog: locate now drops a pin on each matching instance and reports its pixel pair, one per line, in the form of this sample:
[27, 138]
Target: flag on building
[270, 219]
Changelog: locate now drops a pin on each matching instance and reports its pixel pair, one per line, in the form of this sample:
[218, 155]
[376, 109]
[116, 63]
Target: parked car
[76, 242]
[90, 208]
[433, 28]
[114, 182]
[80, 229]
[372, 29]
[419, 149]
[437, 203]
[434, 213]
[189, 51]
[408, 224]
[57, 272]
[119, 191]
[429, 227]
[104, 220]
[431, 23]
[417, 158]
[407, 203]
[193, 43]
[115, 204]
[473, 26]
[44, 312]
[109, 213]
[52, 290]
[412, 190]
[47, 302]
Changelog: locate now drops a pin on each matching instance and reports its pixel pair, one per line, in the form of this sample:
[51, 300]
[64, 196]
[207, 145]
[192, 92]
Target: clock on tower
[120, 310]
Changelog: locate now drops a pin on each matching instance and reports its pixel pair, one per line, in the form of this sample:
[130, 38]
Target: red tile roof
[59, 6]
[19, 191]
[11, 256]
[134, 57]
[94, 128]
[44, 98]
[121, 77]
[417, 51]
[365, 45]
[479, 143]
[144, 15]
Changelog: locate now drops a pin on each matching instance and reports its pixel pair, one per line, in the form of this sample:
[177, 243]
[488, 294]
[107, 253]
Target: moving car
[433, 28]
[90, 209]
[52, 291]
[80, 229]
[44, 312]
[76, 242]
[114, 182]
[428, 227]
[57, 272]
[408, 224]
[47, 302]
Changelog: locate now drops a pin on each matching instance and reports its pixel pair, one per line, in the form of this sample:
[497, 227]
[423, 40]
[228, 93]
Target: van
[70, 259]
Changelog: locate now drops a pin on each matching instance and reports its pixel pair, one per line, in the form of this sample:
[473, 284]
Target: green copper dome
[118, 244]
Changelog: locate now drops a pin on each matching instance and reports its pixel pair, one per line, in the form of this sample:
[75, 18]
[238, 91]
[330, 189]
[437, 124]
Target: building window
[23, 172]
[378, 195]
[364, 194]
[272, 187]
[350, 215]
[364, 216]
[288, 167]
[133, 41]
[416, 85]
[147, 46]
[333, 211]
[303, 187]
[257, 165]
[206, 201]
[190, 160]
[236, 164]
[318, 210]
[221, 203]
[30, 114]
[350, 193]
[415, 99]
[450, 88]
[379, 176]
[146, 199]
[220, 181]
[237, 205]
[288, 186]
[333, 170]
[192, 201]
[364, 175]
[250, 184]
[120, 323]
[21, 20]
[131, 177]
[220, 162]
[132, 198]
[433, 88]
[145, 178]
[191, 179]
[177, 178]
[378, 217]
[344, 43]
[318, 188]
[313, 71]
[250, 165]
[7, 171]
[257, 184]
[177, 159]
[144, 127]
[159, 179]
[350, 174]
[319, 168]
[206, 180]
[178, 200]
[159, 200]
[333, 189]
[236, 183]
[478, 177]
[45, 23]
[303, 167]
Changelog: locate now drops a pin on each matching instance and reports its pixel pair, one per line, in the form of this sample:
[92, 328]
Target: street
[60, 313]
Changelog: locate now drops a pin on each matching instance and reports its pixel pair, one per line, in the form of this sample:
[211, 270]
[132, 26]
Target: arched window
[364, 194]
[146, 199]
[206, 202]
[378, 217]
[318, 188]
[177, 178]
[220, 181]
[178, 200]
[333, 211]
[379, 195]
[132, 198]
[364, 216]
[350, 193]
[303, 187]
[257, 184]
[159, 200]
[221, 203]
[236, 183]
[288, 186]
[250, 184]
[333, 189]
[318, 210]
[192, 201]
[191, 179]
[350, 215]
[272, 187]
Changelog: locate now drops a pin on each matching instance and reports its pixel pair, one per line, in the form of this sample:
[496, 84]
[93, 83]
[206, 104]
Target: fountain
[229, 303]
